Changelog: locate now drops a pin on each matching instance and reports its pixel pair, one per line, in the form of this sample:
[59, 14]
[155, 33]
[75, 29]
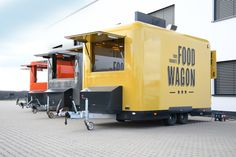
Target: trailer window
[108, 55]
[42, 75]
[225, 83]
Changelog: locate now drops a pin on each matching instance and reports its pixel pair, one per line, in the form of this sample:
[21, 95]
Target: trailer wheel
[17, 101]
[34, 110]
[22, 105]
[50, 115]
[182, 118]
[171, 119]
[89, 125]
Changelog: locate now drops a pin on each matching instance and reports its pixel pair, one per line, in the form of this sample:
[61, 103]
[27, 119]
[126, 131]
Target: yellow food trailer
[144, 72]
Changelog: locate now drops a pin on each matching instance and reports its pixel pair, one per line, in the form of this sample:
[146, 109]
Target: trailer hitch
[67, 115]
[80, 115]
[89, 125]
[74, 114]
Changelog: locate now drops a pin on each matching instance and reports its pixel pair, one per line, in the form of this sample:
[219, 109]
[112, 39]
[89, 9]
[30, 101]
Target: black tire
[34, 110]
[50, 115]
[89, 125]
[22, 105]
[171, 119]
[182, 118]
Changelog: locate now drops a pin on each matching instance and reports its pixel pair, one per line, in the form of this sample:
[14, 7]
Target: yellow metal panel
[161, 52]
[129, 78]
[150, 55]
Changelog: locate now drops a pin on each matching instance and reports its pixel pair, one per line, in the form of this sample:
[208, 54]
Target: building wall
[193, 17]
[196, 17]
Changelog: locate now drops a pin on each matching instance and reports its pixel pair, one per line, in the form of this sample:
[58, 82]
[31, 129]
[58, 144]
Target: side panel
[35, 97]
[151, 86]
[34, 85]
[176, 71]
[62, 97]
[163, 70]
[39, 86]
[130, 78]
[75, 80]
[106, 100]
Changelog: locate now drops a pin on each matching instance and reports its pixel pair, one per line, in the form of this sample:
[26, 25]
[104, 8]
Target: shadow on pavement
[142, 124]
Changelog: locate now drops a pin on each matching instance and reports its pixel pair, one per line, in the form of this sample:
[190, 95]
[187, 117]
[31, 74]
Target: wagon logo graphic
[181, 72]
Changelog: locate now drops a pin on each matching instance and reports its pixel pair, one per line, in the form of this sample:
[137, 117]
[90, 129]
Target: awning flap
[62, 90]
[97, 36]
[72, 51]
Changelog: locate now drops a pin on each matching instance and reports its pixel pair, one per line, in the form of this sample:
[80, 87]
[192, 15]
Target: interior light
[112, 37]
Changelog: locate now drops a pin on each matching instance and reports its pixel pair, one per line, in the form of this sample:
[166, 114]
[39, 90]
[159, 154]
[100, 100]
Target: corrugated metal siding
[224, 8]
[234, 7]
[226, 75]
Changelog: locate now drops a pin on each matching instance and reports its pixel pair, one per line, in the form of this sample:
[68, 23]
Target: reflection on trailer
[104, 63]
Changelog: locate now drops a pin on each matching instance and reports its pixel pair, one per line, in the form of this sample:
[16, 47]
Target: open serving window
[62, 63]
[107, 50]
[38, 75]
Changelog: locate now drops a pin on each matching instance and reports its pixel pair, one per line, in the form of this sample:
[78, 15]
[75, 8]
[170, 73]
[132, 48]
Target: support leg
[89, 125]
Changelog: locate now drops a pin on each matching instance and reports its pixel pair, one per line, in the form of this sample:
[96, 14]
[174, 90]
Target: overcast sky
[24, 22]
[30, 27]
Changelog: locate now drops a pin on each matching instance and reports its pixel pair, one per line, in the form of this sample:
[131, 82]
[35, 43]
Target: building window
[167, 13]
[225, 83]
[108, 55]
[224, 9]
